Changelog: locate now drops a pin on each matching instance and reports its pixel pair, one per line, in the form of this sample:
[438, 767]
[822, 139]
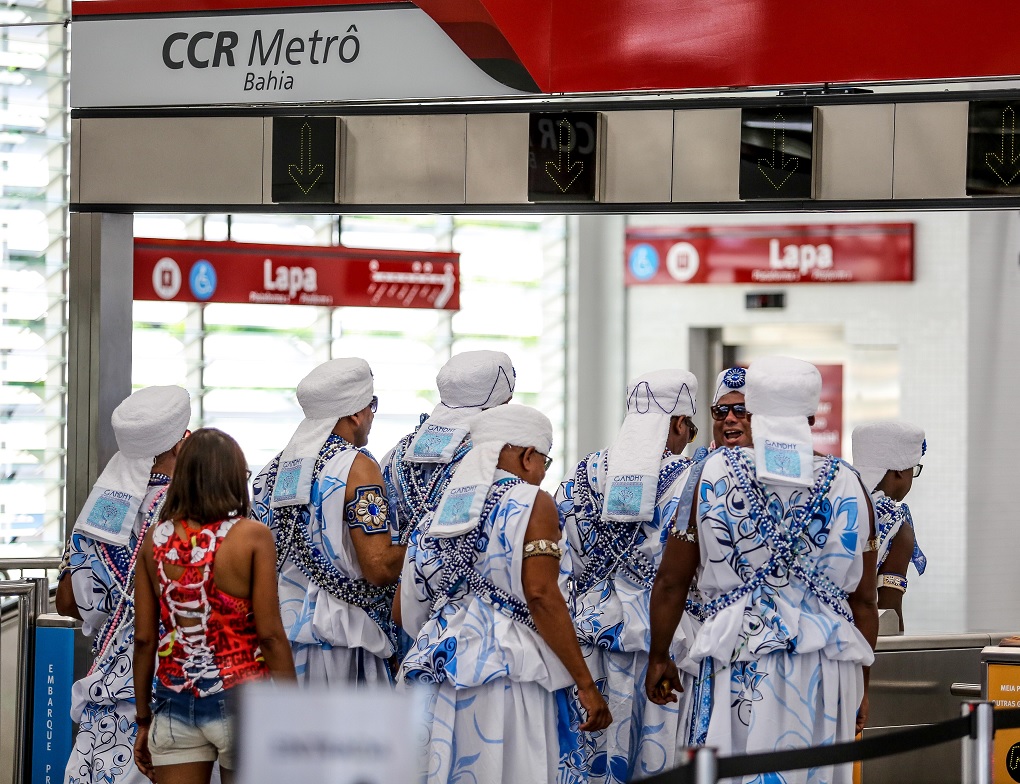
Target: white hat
[781, 393]
[886, 446]
[460, 508]
[469, 383]
[334, 389]
[146, 424]
[730, 380]
[636, 455]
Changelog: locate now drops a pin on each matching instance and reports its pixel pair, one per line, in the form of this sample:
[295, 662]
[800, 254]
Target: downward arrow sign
[779, 168]
[560, 171]
[306, 175]
[1004, 165]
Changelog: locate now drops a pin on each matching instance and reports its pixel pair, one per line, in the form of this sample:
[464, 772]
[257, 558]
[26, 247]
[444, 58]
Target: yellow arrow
[781, 168]
[306, 169]
[563, 151]
[1007, 160]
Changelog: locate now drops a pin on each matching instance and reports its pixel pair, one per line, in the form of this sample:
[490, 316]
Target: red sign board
[776, 255]
[827, 432]
[194, 271]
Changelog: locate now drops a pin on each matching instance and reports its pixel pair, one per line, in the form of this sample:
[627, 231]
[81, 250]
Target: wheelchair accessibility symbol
[202, 280]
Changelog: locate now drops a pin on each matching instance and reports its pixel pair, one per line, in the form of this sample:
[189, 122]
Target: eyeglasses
[719, 413]
[548, 460]
[373, 404]
[692, 427]
[917, 470]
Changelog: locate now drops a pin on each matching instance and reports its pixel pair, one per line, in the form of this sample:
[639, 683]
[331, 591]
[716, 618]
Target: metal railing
[26, 592]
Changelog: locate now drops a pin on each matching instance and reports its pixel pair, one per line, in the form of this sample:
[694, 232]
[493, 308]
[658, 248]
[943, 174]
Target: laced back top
[209, 642]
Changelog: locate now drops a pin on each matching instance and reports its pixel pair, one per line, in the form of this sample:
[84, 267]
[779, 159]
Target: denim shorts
[186, 728]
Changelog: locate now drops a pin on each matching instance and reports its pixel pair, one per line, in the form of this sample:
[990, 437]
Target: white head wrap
[782, 393]
[636, 455]
[335, 389]
[146, 425]
[469, 383]
[460, 508]
[730, 380]
[886, 446]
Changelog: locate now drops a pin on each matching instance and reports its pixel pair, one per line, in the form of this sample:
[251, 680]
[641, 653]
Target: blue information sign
[52, 728]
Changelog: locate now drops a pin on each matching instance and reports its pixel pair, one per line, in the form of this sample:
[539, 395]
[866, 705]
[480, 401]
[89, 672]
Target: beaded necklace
[781, 541]
[123, 575]
[614, 544]
[294, 544]
[415, 495]
[458, 555]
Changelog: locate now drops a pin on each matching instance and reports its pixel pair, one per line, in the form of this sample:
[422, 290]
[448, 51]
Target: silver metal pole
[978, 748]
[25, 591]
[29, 563]
[705, 768]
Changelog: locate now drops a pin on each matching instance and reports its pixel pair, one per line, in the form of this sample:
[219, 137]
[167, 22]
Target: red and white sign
[193, 271]
[776, 255]
[827, 431]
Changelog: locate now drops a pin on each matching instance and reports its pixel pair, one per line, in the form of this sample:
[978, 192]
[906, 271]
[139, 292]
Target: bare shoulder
[545, 504]
[252, 531]
[364, 471]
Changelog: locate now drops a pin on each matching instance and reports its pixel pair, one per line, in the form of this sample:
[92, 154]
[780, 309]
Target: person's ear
[811, 420]
[526, 456]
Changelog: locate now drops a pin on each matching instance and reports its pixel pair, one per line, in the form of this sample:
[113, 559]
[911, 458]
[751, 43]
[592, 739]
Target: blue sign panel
[51, 710]
[644, 261]
[202, 280]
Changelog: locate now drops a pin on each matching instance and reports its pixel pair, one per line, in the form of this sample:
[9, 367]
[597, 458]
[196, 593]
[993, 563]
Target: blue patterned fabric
[890, 517]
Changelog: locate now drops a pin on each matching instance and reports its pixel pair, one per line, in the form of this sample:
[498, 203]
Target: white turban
[469, 383]
[782, 393]
[636, 455]
[730, 380]
[460, 508]
[146, 425]
[886, 446]
[335, 389]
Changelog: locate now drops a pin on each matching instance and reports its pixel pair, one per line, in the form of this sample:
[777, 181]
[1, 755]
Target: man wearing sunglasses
[336, 553]
[731, 424]
[615, 506]
[888, 455]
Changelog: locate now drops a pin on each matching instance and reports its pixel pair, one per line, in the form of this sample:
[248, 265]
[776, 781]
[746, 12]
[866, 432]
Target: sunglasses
[719, 413]
[373, 404]
[917, 470]
[692, 427]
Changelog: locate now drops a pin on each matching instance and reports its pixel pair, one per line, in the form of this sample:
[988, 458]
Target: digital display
[563, 156]
[304, 159]
[993, 149]
[776, 146]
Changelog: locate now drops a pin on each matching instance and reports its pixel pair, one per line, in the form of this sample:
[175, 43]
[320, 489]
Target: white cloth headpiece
[146, 425]
[781, 393]
[730, 380]
[636, 455]
[335, 389]
[469, 383]
[460, 508]
[886, 446]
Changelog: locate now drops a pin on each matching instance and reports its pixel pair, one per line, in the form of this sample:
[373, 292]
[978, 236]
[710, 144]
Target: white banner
[303, 57]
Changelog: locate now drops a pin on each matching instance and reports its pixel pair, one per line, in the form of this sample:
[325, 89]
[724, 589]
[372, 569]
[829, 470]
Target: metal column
[98, 346]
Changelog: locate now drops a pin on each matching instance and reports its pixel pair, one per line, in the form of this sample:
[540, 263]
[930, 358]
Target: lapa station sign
[823, 253]
[192, 271]
[280, 57]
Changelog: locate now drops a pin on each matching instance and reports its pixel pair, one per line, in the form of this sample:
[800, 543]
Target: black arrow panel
[304, 159]
[776, 146]
[993, 148]
[563, 154]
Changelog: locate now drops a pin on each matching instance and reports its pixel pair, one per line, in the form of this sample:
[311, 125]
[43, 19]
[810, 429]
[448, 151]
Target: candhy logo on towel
[625, 494]
[432, 444]
[782, 458]
[110, 511]
[287, 480]
[457, 508]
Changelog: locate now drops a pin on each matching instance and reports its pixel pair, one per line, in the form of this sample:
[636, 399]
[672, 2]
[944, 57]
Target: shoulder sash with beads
[615, 542]
[783, 545]
[294, 544]
[887, 514]
[459, 555]
[413, 494]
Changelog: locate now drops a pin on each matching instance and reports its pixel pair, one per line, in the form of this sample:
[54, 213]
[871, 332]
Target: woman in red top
[208, 574]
